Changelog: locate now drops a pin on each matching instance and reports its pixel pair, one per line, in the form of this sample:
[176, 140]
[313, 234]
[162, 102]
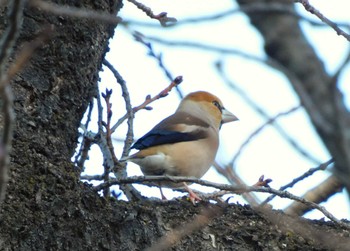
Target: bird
[185, 143]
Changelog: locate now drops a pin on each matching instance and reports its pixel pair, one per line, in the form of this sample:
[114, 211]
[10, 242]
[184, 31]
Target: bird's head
[206, 106]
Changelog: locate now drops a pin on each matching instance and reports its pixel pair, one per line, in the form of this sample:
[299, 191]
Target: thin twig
[120, 168]
[88, 117]
[202, 46]
[249, 8]
[258, 130]
[318, 194]
[102, 143]
[161, 17]
[162, 94]
[83, 153]
[341, 68]
[129, 111]
[139, 38]
[310, 172]
[91, 177]
[149, 100]
[263, 113]
[106, 96]
[308, 7]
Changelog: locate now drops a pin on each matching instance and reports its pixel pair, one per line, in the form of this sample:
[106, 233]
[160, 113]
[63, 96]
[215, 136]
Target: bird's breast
[192, 158]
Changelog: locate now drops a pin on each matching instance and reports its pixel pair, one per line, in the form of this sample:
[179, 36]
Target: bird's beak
[227, 116]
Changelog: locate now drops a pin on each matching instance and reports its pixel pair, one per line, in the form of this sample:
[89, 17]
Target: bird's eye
[216, 103]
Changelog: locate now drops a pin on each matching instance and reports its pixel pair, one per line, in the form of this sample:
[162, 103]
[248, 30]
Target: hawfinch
[185, 143]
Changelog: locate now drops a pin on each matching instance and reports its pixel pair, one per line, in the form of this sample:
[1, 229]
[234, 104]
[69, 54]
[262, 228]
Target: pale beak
[227, 116]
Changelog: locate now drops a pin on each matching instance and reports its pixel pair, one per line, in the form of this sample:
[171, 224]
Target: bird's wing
[179, 127]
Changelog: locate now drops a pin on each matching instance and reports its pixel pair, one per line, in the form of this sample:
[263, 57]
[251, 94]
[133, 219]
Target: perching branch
[235, 189]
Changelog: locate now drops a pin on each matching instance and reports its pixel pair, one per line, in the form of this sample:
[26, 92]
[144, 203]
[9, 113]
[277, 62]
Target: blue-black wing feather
[165, 132]
[160, 137]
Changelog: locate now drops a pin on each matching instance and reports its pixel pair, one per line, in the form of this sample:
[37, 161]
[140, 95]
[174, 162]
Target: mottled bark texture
[286, 44]
[48, 208]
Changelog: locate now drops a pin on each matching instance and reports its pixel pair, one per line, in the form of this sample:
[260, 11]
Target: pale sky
[268, 153]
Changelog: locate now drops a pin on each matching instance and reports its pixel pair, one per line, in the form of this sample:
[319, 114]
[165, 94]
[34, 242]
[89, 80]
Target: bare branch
[129, 111]
[263, 113]
[120, 168]
[161, 17]
[341, 68]
[162, 94]
[139, 38]
[251, 8]
[321, 193]
[108, 162]
[310, 172]
[202, 46]
[235, 189]
[308, 7]
[258, 130]
[91, 177]
[320, 96]
[148, 100]
[83, 153]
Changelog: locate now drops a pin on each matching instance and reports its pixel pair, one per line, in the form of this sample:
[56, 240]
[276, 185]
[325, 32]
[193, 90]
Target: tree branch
[308, 7]
[235, 189]
[310, 172]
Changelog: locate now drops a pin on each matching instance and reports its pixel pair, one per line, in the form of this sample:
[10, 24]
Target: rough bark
[48, 208]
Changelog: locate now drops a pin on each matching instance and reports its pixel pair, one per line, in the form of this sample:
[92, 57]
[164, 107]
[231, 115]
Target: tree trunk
[48, 208]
